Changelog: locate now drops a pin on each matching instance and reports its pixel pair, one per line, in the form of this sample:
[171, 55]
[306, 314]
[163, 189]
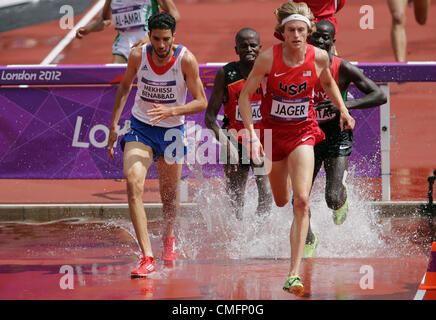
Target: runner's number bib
[255, 108]
[289, 109]
[129, 17]
[160, 92]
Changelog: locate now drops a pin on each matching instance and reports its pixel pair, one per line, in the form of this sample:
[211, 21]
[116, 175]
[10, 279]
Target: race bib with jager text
[288, 109]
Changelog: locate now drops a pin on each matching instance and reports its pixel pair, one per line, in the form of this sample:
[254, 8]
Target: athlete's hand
[159, 113]
[256, 150]
[113, 135]
[232, 157]
[346, 121]
[141, 42]
[81, 32]
[327, 104]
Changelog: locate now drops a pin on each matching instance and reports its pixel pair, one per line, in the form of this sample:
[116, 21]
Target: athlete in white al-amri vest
[130, 20]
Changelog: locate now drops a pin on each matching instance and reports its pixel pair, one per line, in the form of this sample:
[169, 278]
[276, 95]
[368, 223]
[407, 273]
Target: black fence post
[430, 207]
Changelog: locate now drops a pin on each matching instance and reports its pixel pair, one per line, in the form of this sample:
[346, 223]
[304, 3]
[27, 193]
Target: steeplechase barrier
[55, 120]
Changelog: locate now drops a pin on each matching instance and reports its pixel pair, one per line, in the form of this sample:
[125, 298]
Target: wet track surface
[99, 256]
[219, 258]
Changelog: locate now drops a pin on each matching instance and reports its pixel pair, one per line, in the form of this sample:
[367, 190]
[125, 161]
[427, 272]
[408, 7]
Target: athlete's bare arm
[322, 64]
[374, 96]
[261, 68]
[123, 91]
[102, 22]
[217, 98]
[170, 7]
[215, 102]
[191, 72]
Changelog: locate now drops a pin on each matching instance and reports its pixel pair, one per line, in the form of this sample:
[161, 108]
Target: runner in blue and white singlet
[166, 71]
[160, 85]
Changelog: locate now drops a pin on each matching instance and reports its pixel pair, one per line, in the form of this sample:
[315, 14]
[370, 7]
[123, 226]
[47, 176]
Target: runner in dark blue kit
[338, 145]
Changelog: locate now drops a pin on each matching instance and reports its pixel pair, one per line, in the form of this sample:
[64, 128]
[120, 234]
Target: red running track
[102, 254]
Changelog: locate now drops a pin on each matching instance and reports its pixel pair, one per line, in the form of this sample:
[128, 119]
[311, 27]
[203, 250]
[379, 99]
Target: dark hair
[162, 21]
[244, 30]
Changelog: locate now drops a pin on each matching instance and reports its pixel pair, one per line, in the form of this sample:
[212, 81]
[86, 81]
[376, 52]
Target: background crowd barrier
[54, 122]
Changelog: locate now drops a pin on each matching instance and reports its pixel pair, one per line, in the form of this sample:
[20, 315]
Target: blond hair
[288, 8]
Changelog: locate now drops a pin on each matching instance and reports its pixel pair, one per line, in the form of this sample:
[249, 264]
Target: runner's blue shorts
[165, 142]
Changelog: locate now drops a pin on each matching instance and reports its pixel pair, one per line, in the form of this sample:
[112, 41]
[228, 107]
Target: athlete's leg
[421, 10]
[300, 167]
[116, 58]
[280, 182]
[169, 182]
[264, 197]
[236, 181]
[335, 193]
[137, 159]
[317, 167]
[398, 31]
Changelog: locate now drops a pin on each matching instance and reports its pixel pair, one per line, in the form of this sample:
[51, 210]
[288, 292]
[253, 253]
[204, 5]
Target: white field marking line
[408, 62]
[420, 293]
[215, 64]
[421, 62]
[116, 65]
[72, 34]
[27, 65]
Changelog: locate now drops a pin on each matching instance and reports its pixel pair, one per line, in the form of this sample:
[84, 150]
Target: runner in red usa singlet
[288, 104]
[291, 69]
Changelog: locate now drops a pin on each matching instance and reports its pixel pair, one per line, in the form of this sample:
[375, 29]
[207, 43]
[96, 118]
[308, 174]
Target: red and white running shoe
[147, 266]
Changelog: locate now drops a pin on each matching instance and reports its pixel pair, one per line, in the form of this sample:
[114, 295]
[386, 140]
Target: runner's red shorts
[284, 139]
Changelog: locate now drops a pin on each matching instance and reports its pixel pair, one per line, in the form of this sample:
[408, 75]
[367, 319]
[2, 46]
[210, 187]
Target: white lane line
[72, 34]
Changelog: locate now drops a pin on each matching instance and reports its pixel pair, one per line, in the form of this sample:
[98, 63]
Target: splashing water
[358, 236]
[222, 235]
[212, 231]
